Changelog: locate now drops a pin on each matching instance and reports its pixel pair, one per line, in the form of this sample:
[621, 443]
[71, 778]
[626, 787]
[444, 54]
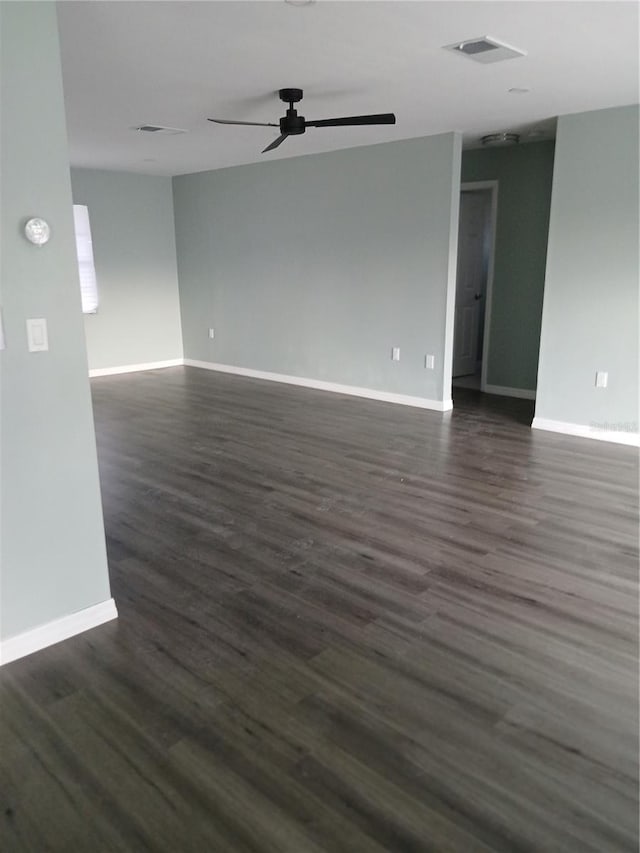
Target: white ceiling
[176, 63]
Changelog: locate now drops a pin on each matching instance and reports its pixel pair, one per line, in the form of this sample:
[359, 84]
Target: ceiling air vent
[485, 49]
[155, 128]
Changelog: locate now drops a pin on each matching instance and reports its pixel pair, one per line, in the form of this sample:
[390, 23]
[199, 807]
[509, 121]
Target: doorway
[476, 238]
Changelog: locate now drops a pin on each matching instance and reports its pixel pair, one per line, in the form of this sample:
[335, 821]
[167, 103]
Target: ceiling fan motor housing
[292, 123]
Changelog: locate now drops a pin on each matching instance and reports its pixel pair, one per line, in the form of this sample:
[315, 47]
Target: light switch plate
[602, 379]
[212, 333]
[430, 362]
[395, 354]
[37, 337]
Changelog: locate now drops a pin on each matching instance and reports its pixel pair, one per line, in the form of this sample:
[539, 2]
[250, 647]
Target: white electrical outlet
[602, 379]
[37, 337]
[430, 362]
[212, 333]
[395, 354]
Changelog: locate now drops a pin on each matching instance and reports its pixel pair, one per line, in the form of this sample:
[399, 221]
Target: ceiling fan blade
[275, 143]
[254, 123]
[380, 118]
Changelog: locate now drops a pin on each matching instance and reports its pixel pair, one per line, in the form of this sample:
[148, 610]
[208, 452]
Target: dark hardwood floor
[344, 626]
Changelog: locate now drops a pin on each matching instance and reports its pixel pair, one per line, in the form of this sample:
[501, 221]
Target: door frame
[472, 186]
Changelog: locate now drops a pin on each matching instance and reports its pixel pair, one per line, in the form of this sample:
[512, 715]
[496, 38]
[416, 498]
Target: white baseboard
[135, 368]
[53, 632]
[584, 431]
[504, 391]
[321, 385]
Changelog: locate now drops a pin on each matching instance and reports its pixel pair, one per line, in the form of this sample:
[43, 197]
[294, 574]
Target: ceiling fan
[292, 124]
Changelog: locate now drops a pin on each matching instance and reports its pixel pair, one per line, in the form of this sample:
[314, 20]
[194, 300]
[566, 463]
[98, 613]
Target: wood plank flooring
[344, 626]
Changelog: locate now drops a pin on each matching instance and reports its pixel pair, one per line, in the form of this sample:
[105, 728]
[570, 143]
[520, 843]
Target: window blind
[86, 268]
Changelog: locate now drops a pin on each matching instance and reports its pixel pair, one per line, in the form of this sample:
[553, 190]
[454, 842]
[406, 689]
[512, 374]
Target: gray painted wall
[138, 317]
[524, 174]
[317, 266]
[590, 316]
[53, 549]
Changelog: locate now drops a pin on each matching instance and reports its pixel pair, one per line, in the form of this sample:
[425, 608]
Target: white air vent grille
[485, 49]
[155, 128]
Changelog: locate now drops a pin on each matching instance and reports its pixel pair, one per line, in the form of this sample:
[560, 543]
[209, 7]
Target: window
[84, 247]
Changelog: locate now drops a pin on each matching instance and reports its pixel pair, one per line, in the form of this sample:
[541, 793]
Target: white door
[471, 281]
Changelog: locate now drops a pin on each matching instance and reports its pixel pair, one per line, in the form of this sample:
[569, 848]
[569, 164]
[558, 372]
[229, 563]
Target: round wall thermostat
[37, 231]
